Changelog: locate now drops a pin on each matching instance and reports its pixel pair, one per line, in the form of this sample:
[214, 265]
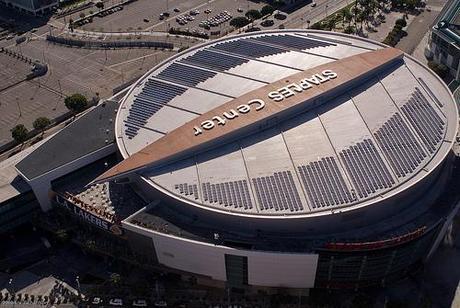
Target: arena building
[293, 159]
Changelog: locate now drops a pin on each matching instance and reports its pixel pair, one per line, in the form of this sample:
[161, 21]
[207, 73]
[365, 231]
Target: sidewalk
[418, 28]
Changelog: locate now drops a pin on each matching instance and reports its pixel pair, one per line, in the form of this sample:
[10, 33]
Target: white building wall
[268, 269]
[41, 185]
[282, 270]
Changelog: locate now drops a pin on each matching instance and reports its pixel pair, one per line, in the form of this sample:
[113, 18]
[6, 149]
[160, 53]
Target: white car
[116, 302]
[96, 301]
[161, 304]
[140, 303]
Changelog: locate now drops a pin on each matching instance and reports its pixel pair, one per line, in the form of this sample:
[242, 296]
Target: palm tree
[347, 16]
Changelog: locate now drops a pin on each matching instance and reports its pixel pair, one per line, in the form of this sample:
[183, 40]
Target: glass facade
[236, 268]
[356, 269]
[17, 211]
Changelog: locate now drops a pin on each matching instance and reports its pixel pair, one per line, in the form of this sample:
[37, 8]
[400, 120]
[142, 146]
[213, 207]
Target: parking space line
[133, 60]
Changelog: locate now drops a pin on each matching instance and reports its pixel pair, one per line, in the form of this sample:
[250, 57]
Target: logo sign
[259, 104]
[87, 216]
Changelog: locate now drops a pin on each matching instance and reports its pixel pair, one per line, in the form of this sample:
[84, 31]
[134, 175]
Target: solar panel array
[366, 168]
[422, 116]
[277, 192]
[153, 97]
[235, 194]
[292, 41]
[214, 60]
[324, 183]
[247, 48]
[187, 75]
[187, 189]
[399, 145]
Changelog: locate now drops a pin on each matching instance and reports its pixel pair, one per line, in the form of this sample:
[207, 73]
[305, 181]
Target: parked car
[177, 10]
[267, 23]
[140, 303]
[96, 301]
[116, 302]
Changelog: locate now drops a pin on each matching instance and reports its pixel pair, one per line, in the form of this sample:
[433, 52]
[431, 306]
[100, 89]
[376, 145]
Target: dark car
[267, 23]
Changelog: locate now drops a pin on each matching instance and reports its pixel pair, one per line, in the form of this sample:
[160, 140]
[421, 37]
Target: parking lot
[94, 73]
[145, 15]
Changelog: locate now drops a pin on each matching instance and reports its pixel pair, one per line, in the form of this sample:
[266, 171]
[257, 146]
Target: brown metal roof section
[182, 142]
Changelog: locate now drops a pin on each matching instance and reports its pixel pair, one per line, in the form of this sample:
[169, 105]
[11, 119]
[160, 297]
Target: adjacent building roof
[448, 22]
[11, 184]
[92, 131]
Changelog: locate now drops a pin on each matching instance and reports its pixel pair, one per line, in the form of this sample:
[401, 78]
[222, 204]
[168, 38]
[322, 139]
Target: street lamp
[78, 285]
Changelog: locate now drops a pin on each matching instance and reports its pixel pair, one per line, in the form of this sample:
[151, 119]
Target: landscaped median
[123, 42]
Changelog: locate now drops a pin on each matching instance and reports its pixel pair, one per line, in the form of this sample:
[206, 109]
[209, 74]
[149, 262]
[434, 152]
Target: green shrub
[267, 9]
[401, 22]
[253, 14]
[239, 22]
[349, 30]
[317, 26]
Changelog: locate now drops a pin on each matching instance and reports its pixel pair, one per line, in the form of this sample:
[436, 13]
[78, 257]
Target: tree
[349, 30]
[317, 26]
[100, 5]
[89, 244]
[115, 278]
[19, 133]
[267, 9]
[76, 103]
[239, 22]
[62, 235]
[347, 16]
[331, 23]
[41, 123]
[82, 15]
[253, 15]
[401, 22]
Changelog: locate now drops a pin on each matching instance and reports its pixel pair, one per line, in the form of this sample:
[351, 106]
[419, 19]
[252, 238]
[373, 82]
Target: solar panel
[235, 194]
[183, 74]
[154, 95]
[248, 48]
[187, 189]
[366, 168]
[214, 60]
[399, 145]
[426, 122]
[292, 41]
[277, 192]
[324, 183]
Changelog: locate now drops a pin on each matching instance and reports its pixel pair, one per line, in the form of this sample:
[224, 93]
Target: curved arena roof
[285, 123]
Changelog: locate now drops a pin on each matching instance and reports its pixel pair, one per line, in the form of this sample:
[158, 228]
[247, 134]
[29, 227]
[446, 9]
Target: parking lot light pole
[78, 286]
